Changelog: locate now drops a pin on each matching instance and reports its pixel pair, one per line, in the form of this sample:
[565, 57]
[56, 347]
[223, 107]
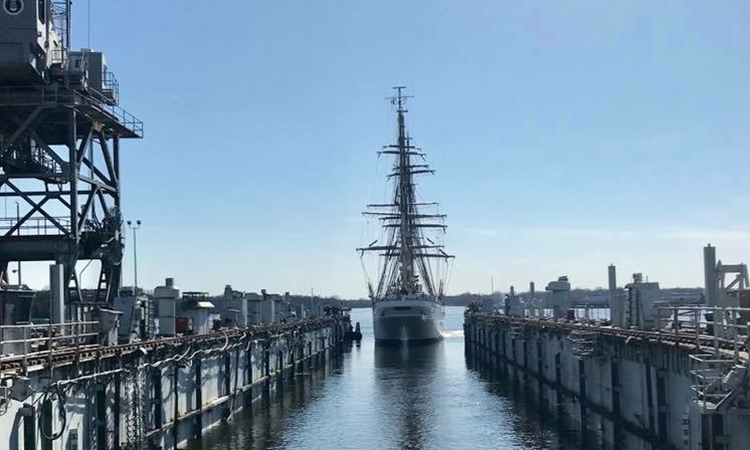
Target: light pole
[135, 253]
[18, 219]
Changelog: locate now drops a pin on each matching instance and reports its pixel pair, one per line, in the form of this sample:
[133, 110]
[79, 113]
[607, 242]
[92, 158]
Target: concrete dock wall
[163, 394]
[636, 393]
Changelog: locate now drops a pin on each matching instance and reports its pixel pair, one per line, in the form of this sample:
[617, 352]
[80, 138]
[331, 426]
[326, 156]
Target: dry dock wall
[163, 393]
[636, 393]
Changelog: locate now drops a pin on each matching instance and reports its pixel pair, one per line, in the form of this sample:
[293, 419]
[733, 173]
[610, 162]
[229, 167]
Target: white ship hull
[407, 321]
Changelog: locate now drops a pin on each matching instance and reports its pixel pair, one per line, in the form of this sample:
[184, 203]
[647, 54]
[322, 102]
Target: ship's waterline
[407, 321]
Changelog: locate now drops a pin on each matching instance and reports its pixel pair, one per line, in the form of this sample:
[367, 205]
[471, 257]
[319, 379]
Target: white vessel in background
[407, 299]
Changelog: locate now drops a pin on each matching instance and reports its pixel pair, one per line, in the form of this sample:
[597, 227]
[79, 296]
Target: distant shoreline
[592, 297]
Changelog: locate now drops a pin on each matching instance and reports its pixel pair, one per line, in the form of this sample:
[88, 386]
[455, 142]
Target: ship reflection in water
[415, 397]
[406, 384]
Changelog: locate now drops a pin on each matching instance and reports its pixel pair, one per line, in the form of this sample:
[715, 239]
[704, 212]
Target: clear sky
[566, 135]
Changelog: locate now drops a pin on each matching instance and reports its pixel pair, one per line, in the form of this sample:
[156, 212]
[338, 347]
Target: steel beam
[22, 128]
[77, 128]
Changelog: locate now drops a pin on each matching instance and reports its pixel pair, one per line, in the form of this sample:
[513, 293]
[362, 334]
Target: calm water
[387, 398]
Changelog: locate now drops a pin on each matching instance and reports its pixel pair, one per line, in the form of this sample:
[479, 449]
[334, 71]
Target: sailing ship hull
[407, 321]
[407, 306]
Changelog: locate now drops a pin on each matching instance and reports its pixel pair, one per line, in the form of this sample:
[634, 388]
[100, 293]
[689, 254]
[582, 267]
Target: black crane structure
[60, 160]
[60, 156]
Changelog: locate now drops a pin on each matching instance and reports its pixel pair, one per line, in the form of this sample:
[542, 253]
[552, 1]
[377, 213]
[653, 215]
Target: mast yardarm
[408, 252]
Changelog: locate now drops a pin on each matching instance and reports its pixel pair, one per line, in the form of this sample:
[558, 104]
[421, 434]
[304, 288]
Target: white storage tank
[268, 307]
[641, 297]
[199, 310]
[129, 320]
[560, 298]
[166, 298]
[109, 325]
[254, 310]
[235, 308]
[516, 307]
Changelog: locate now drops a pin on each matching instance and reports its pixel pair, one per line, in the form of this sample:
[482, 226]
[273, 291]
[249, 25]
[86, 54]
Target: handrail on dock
[82, 350]
[25, 336]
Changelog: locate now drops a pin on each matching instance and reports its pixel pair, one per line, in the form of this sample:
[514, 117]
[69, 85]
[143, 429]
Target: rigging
[409, 256]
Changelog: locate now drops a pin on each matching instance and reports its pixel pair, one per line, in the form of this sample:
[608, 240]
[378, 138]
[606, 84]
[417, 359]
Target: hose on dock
[61, 412]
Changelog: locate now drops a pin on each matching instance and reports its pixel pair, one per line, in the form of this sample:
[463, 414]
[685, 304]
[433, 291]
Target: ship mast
[408, 250]
[405, 198]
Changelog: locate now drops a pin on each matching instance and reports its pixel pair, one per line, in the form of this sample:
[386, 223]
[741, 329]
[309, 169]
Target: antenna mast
[405, 194]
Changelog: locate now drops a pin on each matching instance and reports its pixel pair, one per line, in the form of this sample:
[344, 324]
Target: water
[426, 397]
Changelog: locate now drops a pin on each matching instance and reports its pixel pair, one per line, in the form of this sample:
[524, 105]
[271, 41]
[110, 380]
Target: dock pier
[673, 387]
[159, 393]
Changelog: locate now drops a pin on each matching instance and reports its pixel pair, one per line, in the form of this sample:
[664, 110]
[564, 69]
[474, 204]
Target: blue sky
[566, 135]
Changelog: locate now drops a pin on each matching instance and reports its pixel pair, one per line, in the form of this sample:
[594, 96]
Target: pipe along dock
[673, 387]
[158, 393]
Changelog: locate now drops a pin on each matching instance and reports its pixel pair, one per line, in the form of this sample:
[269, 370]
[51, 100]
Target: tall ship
[411, 265]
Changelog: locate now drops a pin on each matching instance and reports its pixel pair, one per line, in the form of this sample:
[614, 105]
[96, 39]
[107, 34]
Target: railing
[720, 336]
[37, 156]
[589, 313]
[26, 341]
[57, 56]
[720, 328]
[40, 157]
[110, 85]
[34, 226]
[126, 119]
[714, 378]
[34, 96]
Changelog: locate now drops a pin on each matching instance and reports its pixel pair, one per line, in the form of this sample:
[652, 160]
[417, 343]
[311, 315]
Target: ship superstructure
[413, 267]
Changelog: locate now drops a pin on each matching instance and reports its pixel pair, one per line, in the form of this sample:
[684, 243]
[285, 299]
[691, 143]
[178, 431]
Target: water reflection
[416, 358]
[419, 397]
[561, 419]
[404, 374]
[262, 425]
